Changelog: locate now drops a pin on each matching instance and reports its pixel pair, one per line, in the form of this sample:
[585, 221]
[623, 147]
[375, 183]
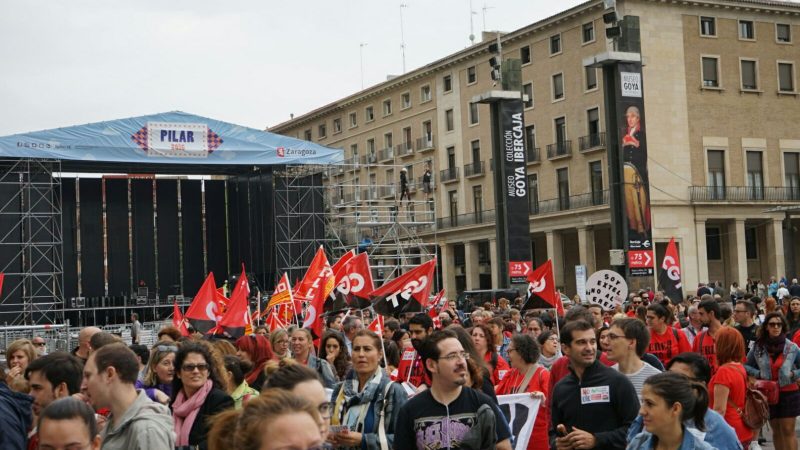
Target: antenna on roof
[402, 36]
[471, 27]
[485, 7]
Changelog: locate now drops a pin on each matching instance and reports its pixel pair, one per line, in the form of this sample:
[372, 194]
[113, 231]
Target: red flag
[346, 257]
[318, 290]
[377, 325]
[2, 278]
[205, 309]
[282, 294]
[305, 290]
[354, 281]
[542, 289]
[669, 276]
[439, 299]
[236, 321]
[407, 293]
[177, 320]
[434, 314]
[274, 322]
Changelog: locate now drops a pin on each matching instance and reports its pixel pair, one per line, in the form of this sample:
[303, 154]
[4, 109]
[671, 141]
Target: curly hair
[342, 362]
[215, 367]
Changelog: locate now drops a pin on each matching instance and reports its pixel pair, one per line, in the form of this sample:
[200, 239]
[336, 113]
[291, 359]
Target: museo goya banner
[633, 142]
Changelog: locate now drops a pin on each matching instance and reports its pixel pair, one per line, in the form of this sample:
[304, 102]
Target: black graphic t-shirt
[424, 423]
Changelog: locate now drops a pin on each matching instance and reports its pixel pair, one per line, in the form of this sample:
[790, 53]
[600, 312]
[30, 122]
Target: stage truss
[32, 241]
[331, 206]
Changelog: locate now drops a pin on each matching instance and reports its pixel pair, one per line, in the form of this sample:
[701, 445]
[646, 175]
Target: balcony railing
[744, 194]
[351, 163]
[404, 149]
[534, 155]
[592, 142]
[371, 193]
[474, 169]
[559, 149]
[386, 191]
[425, 143]
[449, 175]
[387, 154]
[371, 158]
[461, 220]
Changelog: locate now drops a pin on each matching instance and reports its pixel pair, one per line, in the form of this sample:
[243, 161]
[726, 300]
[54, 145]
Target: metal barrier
[57, 337]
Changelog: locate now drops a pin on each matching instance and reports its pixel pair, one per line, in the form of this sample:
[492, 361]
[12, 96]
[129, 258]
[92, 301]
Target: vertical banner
[630, 105]
[580, 281]
[669, 276]
[515, 188]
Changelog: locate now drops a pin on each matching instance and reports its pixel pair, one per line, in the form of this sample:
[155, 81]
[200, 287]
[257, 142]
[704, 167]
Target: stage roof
[174, 138]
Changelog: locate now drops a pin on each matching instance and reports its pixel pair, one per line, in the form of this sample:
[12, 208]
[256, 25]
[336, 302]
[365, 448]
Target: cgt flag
[353, 283]
[237, 319]
[542, 291]
[406, 293]
[177, 320]
[669, 275]
[318, 290]
[205, 309]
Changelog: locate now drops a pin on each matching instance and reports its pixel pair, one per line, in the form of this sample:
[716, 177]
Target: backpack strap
[382, 439]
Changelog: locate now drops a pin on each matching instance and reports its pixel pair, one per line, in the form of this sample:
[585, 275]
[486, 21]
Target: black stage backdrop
[91, 229]
[144, 258]
[216, 242]
[69, 228]
[192, 223]
[119, 264]
[169, 277]
[10, 257]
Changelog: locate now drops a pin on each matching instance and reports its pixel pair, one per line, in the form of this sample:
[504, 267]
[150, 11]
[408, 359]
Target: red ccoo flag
[177, 320]
[318, 291]
[542, 291]
[305, 290]
[407, 293]
[435, 307]
[346, 257]
[377, 325]
[236, 321]
[205, 310]
[353, 283]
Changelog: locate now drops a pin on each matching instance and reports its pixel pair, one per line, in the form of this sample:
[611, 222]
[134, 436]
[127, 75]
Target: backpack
[756, 407]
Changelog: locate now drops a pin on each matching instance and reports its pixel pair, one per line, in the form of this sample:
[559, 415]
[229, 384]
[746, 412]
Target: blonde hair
[24, 345]
[224, 347]
[156, 356]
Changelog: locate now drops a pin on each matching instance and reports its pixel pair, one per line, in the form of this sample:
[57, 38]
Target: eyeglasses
[455, 356]
[637, 303]
[40, 344]
[167, 348]
[191, 367]
[775, 325]
[553, 338]
[325, 409]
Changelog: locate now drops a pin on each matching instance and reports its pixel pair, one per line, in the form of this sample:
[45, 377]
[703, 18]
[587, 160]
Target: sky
[252, 63]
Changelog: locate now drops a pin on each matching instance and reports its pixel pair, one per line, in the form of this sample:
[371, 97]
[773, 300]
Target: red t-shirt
[668, 345]
[499, 372]
[411, 369]
[733, 376]
[540, 381]
[705, 344]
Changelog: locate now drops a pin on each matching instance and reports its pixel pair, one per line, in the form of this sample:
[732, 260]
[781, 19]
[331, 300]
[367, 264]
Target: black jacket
[606, 411]
[216, 402]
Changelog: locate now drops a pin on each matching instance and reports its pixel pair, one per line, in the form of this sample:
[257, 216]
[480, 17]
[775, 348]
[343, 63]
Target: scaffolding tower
[31, 255]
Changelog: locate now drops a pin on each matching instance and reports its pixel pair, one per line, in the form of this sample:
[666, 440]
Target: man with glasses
[744, 313]
[40, 344]
[449, 414]
[136, 422]
[628, 339]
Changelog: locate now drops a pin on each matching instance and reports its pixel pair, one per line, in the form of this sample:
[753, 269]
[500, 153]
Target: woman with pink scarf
[197, 394]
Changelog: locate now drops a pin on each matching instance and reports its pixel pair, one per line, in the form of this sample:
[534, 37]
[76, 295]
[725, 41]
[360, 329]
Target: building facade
[721, 112]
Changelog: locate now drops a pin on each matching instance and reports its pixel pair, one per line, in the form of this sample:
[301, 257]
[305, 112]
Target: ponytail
[698, 413]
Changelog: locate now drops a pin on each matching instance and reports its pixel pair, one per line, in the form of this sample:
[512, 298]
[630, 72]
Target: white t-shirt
[637, 379]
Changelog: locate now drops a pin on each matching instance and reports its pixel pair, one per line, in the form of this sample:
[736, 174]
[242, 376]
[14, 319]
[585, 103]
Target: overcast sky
[247, 62]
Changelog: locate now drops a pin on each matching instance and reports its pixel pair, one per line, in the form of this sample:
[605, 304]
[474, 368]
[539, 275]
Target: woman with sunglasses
[774, 357]
[197, 394]
[254, 350]
[160, 372]
[367, 402]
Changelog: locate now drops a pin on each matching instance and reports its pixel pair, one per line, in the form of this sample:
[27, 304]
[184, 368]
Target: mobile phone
[561, 430]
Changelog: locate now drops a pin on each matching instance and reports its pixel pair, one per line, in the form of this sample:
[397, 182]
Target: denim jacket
[718, 433]
[646, 441]
[759, 364]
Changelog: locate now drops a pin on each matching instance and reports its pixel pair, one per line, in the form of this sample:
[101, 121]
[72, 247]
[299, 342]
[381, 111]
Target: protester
[666, 409]
[350, 326]
[705, 342]
[333, 350]
[279, 339]
[535, 327]
[482, 338]
[793, 316]
[334, 322]
[239, 390]
[197, 393]
[15, 410]
[169, 333]
[305, 383]
[744, 313]
[67, 423]
[367, 401]
[665, 341]
[302, 345]
[629, 338]
[135, 421]
[411, 369]
[528, 376]
[498, 338]
[136, 328]
[603, 344]
[19, 354]
[593, 406]
[728, 384]
[550, 349]
[157, 381]
[776, 358]
[448, 411]
[254, 350]
[275, 420]
[101, 339]
[402, 339]
[40, 344]
[52, 377]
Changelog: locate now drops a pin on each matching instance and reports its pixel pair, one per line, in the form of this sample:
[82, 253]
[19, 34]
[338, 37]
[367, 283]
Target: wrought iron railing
[425, 143]
[448, 175]
[592, 141]
[744, 194]
[474, 169]
[563, 148]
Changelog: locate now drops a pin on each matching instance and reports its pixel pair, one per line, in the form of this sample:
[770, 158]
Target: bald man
[83, 349]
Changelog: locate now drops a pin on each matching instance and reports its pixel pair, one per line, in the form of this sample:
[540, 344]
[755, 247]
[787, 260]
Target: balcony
[425, 143]
[449, 175]
[404, 149]
[586, 200]
[474, 169]
[370, 193]
[743, 194]
[371, 158]
[351, 164]
[558, 150]
[387, 191]
[461, 220]
[592, 142]
[533, 155]
[387, 154]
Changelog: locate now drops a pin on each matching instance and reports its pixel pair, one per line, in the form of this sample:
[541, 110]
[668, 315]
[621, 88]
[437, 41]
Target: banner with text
[520, 411]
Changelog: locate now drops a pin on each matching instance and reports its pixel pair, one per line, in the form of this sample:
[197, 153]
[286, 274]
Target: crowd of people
[650, 374]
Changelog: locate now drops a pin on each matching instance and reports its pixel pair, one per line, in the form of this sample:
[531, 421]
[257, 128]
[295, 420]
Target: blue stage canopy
[167, 138]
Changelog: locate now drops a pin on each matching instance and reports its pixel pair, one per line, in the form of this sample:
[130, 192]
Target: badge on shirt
[409, 355]
[596, 394]
[501, 374]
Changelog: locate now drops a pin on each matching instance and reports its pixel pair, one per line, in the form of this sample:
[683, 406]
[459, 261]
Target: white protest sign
[520, 410]
[606, 288]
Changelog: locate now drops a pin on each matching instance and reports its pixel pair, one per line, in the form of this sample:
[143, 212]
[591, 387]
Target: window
[558, 86]
[451, 158]
[713, 244]
[322, 131]
[593, 126]
[453, 197]
[371, 157]
[716, 174]
[427, 133]
[533, 193]
[751, 242]
[755, 176]
[477, 201]
[405, 100]
[473, 113]
[749, 75]
[476, 151]
[369, 114]
[588, 32]
[353, 120]
[448, 120]
[354, 152]
[746, 30]
[791, 173]
[337, 125]
[783, 32]
[387, 140]
[307, 135]
[425, 93]
[708, 26]
[447, 81]
[530, 138]
[596, 182]
[786, 77]
[472, 76]
[387, 107]
[710, 71]
[555, 44]
[561, 132]
[407, 137]
[527, 89]
[525, 54]
[591, 78]
[562, 181]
